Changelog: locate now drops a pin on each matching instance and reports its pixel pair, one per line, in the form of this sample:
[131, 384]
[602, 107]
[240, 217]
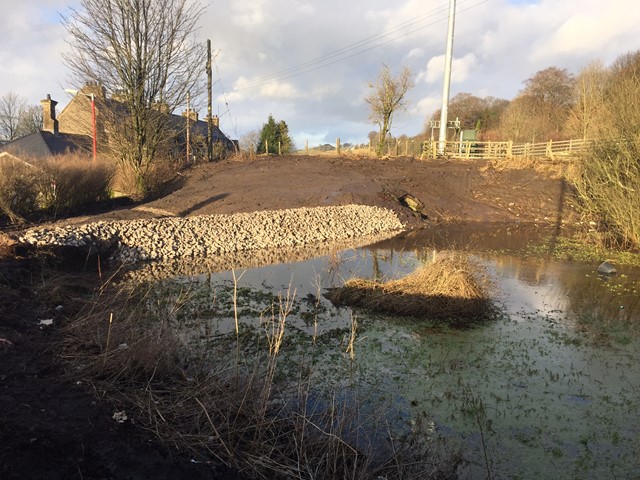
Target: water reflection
[548, 390]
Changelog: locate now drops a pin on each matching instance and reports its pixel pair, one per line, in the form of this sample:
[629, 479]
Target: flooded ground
[548, 389]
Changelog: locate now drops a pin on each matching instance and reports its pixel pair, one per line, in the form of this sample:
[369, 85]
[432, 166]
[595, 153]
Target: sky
[310, 62]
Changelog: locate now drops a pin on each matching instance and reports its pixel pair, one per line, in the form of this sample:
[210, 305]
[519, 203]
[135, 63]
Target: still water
[548, 389]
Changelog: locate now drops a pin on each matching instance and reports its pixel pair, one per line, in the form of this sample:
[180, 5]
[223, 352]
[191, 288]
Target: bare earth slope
[476, 191]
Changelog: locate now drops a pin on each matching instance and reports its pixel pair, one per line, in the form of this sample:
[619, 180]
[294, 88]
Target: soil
[56, 427]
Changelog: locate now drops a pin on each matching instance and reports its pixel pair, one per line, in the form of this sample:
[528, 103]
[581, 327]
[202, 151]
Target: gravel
[207, 235]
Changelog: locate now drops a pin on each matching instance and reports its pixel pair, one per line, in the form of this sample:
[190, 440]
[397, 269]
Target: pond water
[548, 389]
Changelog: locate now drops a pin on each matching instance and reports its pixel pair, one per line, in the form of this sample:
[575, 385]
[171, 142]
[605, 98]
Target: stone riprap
[200, 236]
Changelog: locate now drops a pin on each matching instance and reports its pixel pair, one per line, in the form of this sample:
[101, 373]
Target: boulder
[606, 268]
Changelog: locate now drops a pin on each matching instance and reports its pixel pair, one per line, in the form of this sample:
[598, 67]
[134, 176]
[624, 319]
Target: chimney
[49, 121]
[192, 114]
[215, 121]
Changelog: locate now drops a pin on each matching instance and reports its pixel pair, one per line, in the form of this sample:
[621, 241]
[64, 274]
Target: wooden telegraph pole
[188, 127]
[209, 105]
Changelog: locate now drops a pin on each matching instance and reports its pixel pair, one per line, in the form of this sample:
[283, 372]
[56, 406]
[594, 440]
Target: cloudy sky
[309, 62]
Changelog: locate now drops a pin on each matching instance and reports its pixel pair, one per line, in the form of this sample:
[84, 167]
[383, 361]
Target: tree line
[17, 118]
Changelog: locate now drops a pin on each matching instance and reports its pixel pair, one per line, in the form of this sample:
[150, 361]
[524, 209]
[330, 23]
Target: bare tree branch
[146, 52]
[387, 97]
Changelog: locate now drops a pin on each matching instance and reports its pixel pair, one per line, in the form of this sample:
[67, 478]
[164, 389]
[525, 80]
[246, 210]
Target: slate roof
[45, 144]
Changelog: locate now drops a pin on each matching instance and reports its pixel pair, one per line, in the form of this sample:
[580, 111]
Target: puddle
[551, 388]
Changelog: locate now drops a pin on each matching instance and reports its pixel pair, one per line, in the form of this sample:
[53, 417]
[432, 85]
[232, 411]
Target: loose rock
[191, 237]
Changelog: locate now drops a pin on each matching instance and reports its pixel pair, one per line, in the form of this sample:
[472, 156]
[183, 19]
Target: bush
[607, 184]
[608, 179]
[18, 189]
[62, 183]
[71, 181]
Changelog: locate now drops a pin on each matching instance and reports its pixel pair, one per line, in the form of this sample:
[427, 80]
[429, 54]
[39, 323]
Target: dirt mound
[451, 190]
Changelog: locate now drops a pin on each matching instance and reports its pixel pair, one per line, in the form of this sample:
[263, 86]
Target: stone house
[71, 131]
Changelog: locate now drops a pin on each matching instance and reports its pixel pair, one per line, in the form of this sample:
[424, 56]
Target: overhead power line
[357, 48]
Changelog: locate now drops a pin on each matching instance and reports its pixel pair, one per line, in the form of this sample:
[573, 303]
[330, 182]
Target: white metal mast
[447, 78]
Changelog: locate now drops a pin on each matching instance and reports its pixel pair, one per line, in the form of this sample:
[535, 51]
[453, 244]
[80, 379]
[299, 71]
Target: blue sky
[309, 62]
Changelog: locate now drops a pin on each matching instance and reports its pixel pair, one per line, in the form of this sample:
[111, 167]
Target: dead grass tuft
[453, 289]
[554, 169]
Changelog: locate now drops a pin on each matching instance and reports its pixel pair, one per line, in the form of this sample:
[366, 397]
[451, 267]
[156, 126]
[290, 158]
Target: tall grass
[62, 183]
[452, 289]
[71, 181]
[18, 189]
[248, 416]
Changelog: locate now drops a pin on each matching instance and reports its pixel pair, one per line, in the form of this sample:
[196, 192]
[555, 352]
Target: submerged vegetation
[224, 399]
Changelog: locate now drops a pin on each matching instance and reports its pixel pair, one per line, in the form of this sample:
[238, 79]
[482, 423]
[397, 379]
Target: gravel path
[201, 236]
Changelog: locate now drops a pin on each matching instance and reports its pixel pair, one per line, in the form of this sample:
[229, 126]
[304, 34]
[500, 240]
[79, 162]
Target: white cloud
[279, 90]
[461, 69]
[309, 66]
[248, 13]
[415, 53]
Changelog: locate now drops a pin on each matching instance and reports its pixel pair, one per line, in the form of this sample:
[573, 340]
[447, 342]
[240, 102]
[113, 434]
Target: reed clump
[453, 289]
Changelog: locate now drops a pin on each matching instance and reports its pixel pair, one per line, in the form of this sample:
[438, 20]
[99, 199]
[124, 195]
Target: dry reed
[453, 289]
[241, 418]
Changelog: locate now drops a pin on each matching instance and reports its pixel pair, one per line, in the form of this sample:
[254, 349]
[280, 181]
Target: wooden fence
[468, 149]
[474, 149]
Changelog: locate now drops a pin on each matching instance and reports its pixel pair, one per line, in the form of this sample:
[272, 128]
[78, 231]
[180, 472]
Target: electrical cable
[360, 47]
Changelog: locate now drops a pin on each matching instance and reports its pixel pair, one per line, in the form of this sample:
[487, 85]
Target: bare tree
[249, 141]
[18, 119]
[30, 120]
[145, 51]
[609, 175]
[387, 97]
[541, 109]
[11, 106]
[474, 112]
[587, 108]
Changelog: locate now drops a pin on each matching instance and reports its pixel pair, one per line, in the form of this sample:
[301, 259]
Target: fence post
[510, 149]
[549, 153]
[413, 148]
[279, 147]
[468, 152]
[306, 147]
[338, 145]
[266, 146]
[397, 147]
[434, 149]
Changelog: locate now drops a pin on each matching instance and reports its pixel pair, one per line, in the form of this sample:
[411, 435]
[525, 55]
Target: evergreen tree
[274, 137]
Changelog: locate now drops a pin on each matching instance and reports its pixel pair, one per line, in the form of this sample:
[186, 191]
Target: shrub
[608, 178]
[71, 181]
[18, 188]
[607, 184]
